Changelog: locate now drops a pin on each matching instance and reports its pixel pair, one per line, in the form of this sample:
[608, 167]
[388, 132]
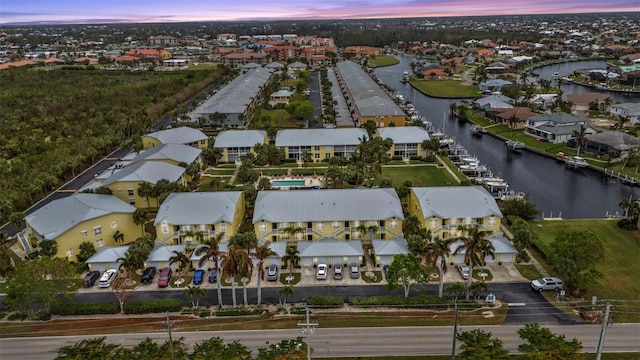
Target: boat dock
[612, 176]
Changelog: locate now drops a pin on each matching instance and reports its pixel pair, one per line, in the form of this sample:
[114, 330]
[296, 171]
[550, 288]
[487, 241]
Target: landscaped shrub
[65, 309]
[152, 306]
[428, 301]
[325, 301]
[237, 312]
[17, 316]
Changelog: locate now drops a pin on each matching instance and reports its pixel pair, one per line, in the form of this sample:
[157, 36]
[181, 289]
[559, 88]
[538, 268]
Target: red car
[165, 277]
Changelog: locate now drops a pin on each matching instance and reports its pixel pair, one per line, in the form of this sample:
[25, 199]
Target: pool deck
[309, 181]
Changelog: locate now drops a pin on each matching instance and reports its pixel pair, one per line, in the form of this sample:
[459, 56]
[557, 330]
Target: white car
[464, 271]
[107, 278]
[322, 272]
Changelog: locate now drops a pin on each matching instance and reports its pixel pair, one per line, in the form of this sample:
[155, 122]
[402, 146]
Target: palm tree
[293, 231]
[231, 263]
[145, 190]
[456, 290]
[211, 251]
[195, 293]
[86, 250]
[475, 247]
[130, 263]
[478, 287]
[118, 237]
[581, 138]
[283, 293]
[181, 259]
[245, 267]
[436, 255]
[262, 253]
[291, 258]
[620, 121]
[140, 218]
[630, 207]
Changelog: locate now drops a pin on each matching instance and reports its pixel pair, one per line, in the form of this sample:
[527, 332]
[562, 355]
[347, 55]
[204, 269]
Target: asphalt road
[342, 342]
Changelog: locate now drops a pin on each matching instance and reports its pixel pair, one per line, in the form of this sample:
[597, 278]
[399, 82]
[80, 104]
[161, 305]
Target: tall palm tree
[436, 253]
[211, 251]
[231, 263]
[474, 246]
[145, 190]
[118, 237]
[291, 258]
[283, 293]
[140, 217]
[195, 293]
[130, 263]
[581, 138]
[181, 259]
[245, 267]
[262, 253]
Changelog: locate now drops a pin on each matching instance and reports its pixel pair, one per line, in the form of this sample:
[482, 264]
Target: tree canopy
[575, 256]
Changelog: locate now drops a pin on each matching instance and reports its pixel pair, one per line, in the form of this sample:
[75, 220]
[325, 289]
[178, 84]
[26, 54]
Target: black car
[213, 276]
[385, 269]
[91, 278]
[148, 275]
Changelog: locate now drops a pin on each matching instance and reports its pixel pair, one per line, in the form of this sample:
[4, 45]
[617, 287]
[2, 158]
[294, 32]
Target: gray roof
[330, 248]
[493, 102]
[343, 114]
[448, 202]
[274, 65]
[236, 96]
[176, 152]
[632, 108]
[57, 217]
[615, 139]
[108, 254]
[179, 135]
[319, 137]
[559, 130]
[297, 65]
[390, 247]
[404, 134]
[164, 252]
[558, 118]
[197, 208]
[327, 205]
[369, 97]
[146, 171]
[495, 83]
[222, 248]
[282, 93]
[239, 138]
[499, 242]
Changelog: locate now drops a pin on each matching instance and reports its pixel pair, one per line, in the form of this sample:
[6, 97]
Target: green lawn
[203, 66]
[384, 60]
[418, 175]
[445, 88]
[620, 266]
[280, 119]
[529, 271]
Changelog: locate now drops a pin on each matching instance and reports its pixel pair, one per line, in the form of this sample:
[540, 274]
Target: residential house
[504, 116]
[627, 110]
[444, 209]
[295, 67]
[180, 135]
[322, 144]
[582, 102]
[493, 102]
[330, 252]
[432, 71]
[163, 41]
[329, 215]
[504, 251]
[407, 140]
[555, 128]
[223, 248]
[106, 258]
[274, 66]
[176, 63]
[191, 217]
[77, 218]
[498, 67]
[158, 55]
[279, 97]
[174, 154]
[160, 256]
[613, 143]
[237, 143]
[385, 250]
[494, 84]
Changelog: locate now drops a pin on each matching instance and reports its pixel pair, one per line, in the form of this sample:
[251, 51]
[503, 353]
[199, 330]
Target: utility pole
[605, 321]
[455, 333]
[308, 329]
[169, 323]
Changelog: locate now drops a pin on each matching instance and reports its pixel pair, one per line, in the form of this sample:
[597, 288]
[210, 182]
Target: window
[119, 191]
[381, 223]
[99, 243]
[316, 148]
[492, 221]
[97, 230]
[165, 228]
[393, 223]
[320, 225]
[114, 225]
[130, 192]
[336, 225]
[69, 252]
[223, 227]
[83, 233]
[356, 223]
[263, 226]
[132, 201]
[316, 156]
[203, 227]
[433, 222]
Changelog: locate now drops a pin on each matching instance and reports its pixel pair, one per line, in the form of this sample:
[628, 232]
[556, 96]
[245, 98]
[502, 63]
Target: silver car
[272, 272]
[354, 271]
[337, 272]
[322, 272]
[548, 283]
[464, 271]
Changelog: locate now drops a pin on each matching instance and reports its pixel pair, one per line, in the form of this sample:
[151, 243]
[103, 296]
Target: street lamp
[308, 329]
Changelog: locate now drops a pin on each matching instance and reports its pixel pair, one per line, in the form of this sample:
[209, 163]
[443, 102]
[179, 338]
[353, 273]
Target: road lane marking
[516, 304]
[351, 341]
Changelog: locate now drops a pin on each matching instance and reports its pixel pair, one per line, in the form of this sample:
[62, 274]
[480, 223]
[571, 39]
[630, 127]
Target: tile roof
[198, 208]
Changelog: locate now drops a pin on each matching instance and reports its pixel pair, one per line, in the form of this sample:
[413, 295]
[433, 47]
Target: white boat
[516, 146]
[575, 162]
[556, 75]
[477, 130]
[512, 195]
[566, 80]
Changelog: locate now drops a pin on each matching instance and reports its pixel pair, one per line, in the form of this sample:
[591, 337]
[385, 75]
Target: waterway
[556, 191]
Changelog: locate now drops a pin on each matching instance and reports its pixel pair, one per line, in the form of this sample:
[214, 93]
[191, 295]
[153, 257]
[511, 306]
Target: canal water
[556, 191]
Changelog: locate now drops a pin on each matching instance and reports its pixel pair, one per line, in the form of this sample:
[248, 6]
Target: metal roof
[239, 138]
[108, 254]
[176, 152]
[343, 114]
[164, 252]
[198, 208]
[390, 247]
[179, 135]
[448, 202]
[57, 217]
[500, 244]
[330, 248]
[146, 171]
[327, 205]
[319, 137]
[404, 134]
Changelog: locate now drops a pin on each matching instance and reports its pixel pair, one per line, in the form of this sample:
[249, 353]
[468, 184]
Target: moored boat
[477, 130]
[575, 162]
[516, 146]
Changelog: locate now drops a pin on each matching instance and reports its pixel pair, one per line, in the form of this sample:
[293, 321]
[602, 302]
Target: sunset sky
[101, 11]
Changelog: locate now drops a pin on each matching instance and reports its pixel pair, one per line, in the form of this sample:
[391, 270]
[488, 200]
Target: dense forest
[57, 122]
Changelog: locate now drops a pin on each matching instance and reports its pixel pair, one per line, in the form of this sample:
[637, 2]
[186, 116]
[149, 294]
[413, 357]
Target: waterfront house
[335, 214]
[180, 135]
[192, 217]
[322, 144]
[445, 209]
[78, 218]
[581, 103]
[555, 128]
[612, 143]
[237, 143]
[407, 140]
[627, 110]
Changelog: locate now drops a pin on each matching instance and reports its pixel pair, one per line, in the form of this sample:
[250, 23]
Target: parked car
[198, 277]
[385, 270]
[464, 271]
[107, 278]
[548, 283]
[148, 274]
[91, 278]
[337, 271]
[272, 272]
[213, 276]
[165, 277]
[321, 274]
[354, 271]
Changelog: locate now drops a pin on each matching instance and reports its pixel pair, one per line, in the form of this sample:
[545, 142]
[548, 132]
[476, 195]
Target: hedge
[152, 306]
[315, 300]
[429, 301]
[237, 312]
[85, 308]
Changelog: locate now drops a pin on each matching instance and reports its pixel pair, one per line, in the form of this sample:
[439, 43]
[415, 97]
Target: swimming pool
[290, 183]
